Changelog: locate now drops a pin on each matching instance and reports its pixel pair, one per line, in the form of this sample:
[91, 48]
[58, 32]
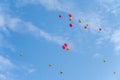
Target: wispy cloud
[31, 70]
[62, 5]
[96, 55]
[4, 43]
[2, 77]
[8, 69]
[19, 26]
[5, 63]
[115, 38]
[9, 23]
[112, 6]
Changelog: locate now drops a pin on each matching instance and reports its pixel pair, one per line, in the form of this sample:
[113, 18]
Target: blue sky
[33, 28]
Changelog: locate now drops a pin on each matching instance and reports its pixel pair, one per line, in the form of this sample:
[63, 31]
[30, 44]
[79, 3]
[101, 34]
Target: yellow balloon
[70, 18]
[79, 21]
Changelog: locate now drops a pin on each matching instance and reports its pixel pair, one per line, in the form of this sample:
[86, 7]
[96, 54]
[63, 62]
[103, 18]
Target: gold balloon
[79, 21]
[70, 18]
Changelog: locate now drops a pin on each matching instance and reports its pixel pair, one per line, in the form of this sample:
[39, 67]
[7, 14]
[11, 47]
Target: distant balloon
[21, 54]
[85, 27]
[63, 47]
[50, 65]
[104, 60]
[70, 18]
[114, 72]
[70, 15]
[61, 72]
[71, 25]
[65, 44]
[67, 48]
[79, 21]
[100, 29]
[60, 16]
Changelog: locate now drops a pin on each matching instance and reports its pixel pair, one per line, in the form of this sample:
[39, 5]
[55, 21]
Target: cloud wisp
[111, 6]
[17, 25]
[115, 38]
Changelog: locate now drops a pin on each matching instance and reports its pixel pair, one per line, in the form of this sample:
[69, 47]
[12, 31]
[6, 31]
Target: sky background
[34, 28]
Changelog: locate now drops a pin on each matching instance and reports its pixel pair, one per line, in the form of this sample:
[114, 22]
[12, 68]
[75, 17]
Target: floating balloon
[63, 47]
[85, 27]
[60, 16]
[71, 25]
[70, 18]
[67, 48]
[61, 72]
[79, 21]
[104, 60]
[65, 44]
[114, 72]
[70, 15]
[50, 65]
[100, 29]
[21, 54]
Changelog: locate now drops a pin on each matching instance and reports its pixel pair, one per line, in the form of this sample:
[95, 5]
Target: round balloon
[60, 16]
[70, 15]
[71, 25]
[63, 47]
[65, 44]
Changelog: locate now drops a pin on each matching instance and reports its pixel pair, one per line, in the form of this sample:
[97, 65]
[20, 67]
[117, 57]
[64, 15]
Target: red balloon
[70, 15]
[63, 47]
[70, 24]
[65, 44]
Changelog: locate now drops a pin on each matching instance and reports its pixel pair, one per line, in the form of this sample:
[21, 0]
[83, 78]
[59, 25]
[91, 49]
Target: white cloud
[31, 70]
[115, 38]
[62, 5]
[112, 6]
[6, 66]
[96, 55]
[4, 44]
[2, 77]
[5, 63]
[8, 23]
[19, 26]
[9, 70]
[2, 21]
